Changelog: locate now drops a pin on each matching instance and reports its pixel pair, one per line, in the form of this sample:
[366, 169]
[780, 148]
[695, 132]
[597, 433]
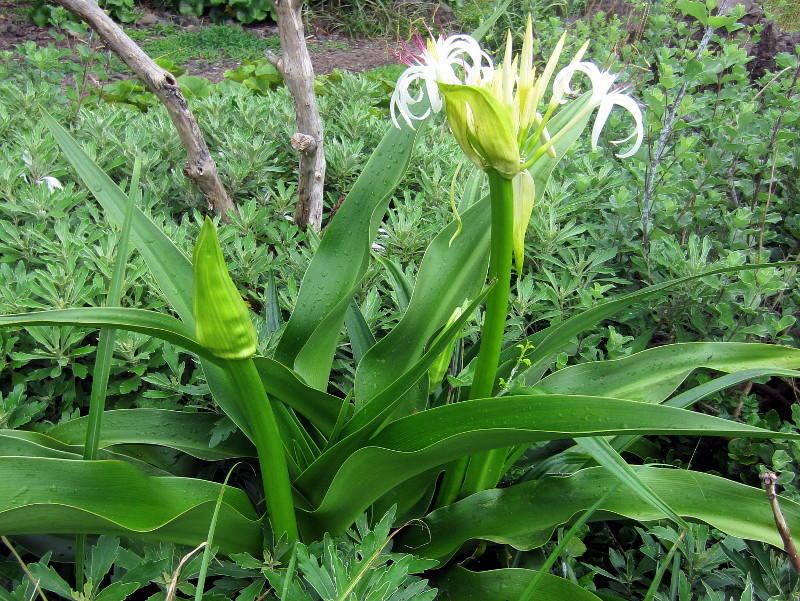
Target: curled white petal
[458, 59]
[633, 108]
[603, 99]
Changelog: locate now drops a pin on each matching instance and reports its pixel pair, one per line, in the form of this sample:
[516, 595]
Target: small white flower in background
[51, 182]
[457, 59]
[604, 98]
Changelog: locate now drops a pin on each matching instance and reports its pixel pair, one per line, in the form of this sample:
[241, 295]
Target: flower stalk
[223, 326]
[483, 470]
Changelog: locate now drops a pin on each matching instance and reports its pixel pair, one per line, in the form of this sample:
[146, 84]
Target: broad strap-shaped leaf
[361, 338]
[21, 443]
[171, 269]
[459, 584]
[425, 440]
[187, 432]
[449, 275]
[356, 433]
[652, 375]
[43, 495]
[561, 334]
[342, 258]
[157, 325]
[525, 515]
[281, 383]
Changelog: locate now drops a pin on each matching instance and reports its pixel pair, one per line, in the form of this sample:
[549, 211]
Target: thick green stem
[485, 469]
[267, 439]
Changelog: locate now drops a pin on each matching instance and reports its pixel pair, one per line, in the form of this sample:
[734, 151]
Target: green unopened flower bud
[482, 126]
[222, 321]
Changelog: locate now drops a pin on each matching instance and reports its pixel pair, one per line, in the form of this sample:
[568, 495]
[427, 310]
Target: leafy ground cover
[725, 194]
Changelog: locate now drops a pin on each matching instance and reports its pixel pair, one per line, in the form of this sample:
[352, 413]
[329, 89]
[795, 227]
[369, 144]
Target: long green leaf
[281, 383]
[342, 259]
[602, 452]
[187, 432]
[21, 443]
[425, 440]
[366, 422]
[158, 325]
[564, 332]
[105, 349]
[449, 274]
[361, 338]
[525, 515]
[402, 286]
[171, 269]
[41, 495]
[458, 584]
[652, 375]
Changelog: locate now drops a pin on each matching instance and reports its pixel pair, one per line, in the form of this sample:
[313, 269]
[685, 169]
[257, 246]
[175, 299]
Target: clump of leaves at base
[356, 566]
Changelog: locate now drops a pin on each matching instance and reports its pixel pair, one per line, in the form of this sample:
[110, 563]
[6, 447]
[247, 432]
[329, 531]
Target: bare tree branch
[201, 168]
[298, 74]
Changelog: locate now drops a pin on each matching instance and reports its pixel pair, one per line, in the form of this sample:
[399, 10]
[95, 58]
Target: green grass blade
[602, 452]
[201, 578]
[105, 348]
[487, 25]
[662, 568]
[527, 594]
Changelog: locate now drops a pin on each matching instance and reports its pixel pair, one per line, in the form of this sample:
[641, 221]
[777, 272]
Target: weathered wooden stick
[200, 168]
[294, 65]
[769, 479]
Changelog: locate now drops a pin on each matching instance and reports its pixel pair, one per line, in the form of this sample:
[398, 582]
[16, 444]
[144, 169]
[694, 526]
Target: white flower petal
[453, 60]
[633, 108]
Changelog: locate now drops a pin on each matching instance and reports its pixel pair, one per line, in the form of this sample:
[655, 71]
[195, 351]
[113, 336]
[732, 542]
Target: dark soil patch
[331, 50]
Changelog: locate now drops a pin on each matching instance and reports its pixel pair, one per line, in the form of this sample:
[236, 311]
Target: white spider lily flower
[456, 60]
[604, 99]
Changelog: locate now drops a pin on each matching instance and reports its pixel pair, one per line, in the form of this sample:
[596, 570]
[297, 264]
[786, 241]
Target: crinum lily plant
[402, 438]
[496, 116]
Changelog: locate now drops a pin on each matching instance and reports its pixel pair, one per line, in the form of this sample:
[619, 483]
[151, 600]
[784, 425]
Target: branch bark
[200, 168]
[294, 64]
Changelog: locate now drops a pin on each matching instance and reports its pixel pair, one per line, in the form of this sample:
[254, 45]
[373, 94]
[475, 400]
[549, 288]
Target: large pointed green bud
[222, 322]
[483, 128]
